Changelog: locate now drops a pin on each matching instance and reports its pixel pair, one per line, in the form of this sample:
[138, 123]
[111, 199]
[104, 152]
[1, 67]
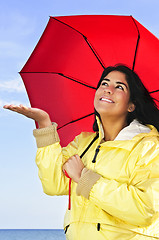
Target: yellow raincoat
[117, 196]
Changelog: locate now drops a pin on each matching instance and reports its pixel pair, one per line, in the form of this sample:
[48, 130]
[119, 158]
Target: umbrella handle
[69, 201]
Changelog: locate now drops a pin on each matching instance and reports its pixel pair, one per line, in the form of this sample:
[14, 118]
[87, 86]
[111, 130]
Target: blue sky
[22, 202]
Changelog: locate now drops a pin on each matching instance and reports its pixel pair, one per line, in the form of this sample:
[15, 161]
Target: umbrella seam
[154, 91]
[67, 25]
[61, 74]
[75, 120]
[94, 52]
[137, 44]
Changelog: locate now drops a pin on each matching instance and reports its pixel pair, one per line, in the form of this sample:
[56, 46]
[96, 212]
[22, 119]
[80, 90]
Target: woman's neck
[112, 128]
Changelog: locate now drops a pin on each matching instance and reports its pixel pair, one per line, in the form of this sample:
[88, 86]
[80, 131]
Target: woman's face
[112, 96]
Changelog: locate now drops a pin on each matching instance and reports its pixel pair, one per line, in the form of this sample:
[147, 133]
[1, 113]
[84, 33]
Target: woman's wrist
[45, 123]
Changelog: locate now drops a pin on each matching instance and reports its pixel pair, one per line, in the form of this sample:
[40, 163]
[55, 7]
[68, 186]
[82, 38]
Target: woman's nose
[108, 90]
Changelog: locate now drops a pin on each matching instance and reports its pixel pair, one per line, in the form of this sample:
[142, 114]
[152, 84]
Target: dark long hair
[146, 111]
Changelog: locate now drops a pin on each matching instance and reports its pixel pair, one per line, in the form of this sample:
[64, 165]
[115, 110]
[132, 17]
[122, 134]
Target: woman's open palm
[36, 114]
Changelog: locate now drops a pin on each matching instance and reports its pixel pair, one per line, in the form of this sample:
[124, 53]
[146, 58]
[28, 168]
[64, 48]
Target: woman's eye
[120, 87]
[104, 83]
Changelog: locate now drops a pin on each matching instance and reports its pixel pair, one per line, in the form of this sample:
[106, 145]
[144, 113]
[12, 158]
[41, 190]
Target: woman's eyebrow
[118, 82]
[122, 84]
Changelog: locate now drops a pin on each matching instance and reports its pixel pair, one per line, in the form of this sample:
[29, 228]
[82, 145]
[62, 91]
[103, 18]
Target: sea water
[32, 234]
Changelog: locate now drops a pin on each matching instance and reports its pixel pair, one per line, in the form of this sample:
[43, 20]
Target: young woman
[115, 185]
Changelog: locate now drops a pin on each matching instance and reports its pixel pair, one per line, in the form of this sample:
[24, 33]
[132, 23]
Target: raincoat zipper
[96, 153]
[67, 228]
[98, 227]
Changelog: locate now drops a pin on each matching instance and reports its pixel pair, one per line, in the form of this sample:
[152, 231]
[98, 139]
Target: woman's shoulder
[152, 135]
[149, 143]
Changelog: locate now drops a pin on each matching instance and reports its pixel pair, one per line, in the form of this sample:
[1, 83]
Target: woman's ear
[131, 107]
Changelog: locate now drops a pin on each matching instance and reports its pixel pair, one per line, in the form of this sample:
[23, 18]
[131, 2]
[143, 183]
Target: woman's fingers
[26, 111]
[19, 109]
[11, 107]
[8, 106]
[23, 107]
[74, 167]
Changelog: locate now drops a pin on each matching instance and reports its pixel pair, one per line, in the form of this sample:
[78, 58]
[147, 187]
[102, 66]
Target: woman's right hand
[40, 116]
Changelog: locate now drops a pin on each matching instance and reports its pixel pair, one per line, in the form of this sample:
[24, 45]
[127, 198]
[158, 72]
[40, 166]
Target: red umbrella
[62, 72]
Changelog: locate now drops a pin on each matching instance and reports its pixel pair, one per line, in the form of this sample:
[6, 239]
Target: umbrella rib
[61, 74]
[67, 25]
[153, 97]
[154, 91]
[85, 38]
[75, 120]
[94, 52]
[137, 44]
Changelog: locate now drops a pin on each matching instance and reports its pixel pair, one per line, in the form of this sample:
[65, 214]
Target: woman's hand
[40, 116]
[74, 167]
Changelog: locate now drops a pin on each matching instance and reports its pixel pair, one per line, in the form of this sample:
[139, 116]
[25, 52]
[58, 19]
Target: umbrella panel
[67, 99]
[68, 133]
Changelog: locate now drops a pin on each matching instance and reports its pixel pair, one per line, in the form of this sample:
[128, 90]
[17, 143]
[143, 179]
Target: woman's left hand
[74, 167]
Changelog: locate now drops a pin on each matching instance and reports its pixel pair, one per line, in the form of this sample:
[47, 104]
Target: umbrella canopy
[63, 71]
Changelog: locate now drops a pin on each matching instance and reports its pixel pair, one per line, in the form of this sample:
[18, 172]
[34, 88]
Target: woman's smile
[107, 100]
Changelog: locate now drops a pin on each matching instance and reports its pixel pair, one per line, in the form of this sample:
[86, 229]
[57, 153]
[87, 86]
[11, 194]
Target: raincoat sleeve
[50, 158]
[134, 201]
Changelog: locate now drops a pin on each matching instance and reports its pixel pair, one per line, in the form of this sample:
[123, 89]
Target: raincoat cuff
[86, 182]
[46, 136]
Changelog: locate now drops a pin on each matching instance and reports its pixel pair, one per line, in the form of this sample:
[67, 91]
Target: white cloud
[15, 85]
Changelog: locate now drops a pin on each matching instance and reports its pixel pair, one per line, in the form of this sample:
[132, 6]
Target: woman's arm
[50, 159]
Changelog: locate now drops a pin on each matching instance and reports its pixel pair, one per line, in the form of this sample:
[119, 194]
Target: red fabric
[63, 49]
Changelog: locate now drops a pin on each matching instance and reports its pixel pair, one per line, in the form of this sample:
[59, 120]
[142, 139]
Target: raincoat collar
[129, 135]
